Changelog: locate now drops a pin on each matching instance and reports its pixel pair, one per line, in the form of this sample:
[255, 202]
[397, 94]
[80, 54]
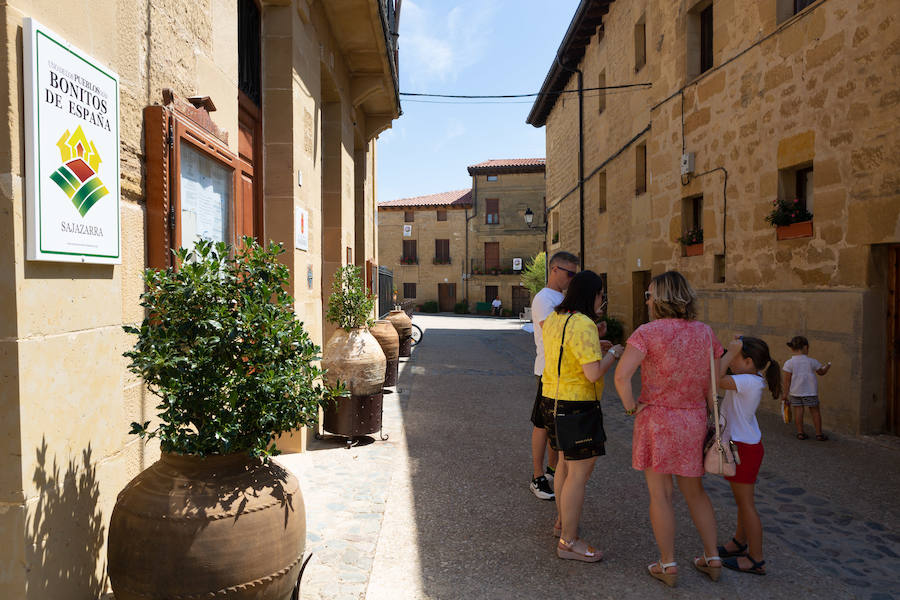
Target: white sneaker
[540, 487]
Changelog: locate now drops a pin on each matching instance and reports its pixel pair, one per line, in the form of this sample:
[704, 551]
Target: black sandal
[802, 436]
[821, 437]
[741, 551]
[756, 568]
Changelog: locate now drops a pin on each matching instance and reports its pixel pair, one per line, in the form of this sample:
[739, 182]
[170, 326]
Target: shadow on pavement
[482, 534]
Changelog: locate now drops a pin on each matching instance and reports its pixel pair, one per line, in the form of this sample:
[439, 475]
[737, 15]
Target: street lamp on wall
[529, 219]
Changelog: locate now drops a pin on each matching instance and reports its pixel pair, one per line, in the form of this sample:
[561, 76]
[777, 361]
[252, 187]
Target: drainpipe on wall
[466, 267]
[580, 81]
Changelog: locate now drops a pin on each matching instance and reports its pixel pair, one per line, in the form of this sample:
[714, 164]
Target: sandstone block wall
[425, 230]
[66, 398]
[818, 88]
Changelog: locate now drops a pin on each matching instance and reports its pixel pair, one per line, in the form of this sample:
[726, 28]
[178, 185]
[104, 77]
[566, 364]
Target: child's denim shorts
[804, 400]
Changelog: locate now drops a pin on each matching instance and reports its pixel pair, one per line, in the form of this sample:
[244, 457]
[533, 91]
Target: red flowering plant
[692, 236]
[787, 212]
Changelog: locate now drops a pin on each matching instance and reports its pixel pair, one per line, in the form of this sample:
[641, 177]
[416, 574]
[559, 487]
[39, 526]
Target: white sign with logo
[72, 152]
[517, 264]
[407, 231]
[301, 229]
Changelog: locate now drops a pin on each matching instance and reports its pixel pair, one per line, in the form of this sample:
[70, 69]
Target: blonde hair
[673, 297]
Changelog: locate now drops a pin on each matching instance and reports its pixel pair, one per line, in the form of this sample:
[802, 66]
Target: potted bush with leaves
[692, 240]
[222, 349]
[790, 219]
[353, 357]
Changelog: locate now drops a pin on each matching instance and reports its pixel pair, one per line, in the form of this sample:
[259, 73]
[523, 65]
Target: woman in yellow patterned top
[572, 384]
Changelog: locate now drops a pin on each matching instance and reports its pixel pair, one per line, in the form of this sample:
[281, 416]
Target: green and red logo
[77, 177]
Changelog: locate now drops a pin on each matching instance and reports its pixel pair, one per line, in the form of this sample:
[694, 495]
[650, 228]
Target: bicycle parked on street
[407, 306]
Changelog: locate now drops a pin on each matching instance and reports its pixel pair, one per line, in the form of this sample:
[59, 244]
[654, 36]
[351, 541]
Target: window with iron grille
[409, 290]
[249, 56]
[491, 211]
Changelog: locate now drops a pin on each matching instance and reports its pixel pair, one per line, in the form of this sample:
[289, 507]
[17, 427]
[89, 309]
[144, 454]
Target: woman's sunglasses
[647, 295]
[568, 272]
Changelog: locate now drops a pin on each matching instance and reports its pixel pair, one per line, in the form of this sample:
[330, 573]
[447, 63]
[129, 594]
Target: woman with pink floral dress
[673, 353]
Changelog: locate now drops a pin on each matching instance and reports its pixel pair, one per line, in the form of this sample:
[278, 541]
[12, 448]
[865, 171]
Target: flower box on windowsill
[793, 231]
[693, 249]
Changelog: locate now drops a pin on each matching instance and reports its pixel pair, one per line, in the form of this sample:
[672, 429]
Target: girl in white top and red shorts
[753, 369]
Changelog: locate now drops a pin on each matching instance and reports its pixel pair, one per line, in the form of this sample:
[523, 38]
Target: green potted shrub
[353, 358]
[692, 240]
[430, 307]
[222, 349]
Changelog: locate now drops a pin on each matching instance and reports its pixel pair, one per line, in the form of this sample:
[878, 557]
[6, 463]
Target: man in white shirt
[496, 304]
[560, 270]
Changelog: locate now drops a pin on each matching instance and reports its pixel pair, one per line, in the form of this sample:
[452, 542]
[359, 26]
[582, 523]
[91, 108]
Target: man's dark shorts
[537, 417]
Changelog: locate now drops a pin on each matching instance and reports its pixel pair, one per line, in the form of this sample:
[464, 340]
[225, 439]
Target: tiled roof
[454, 198]
[588, 17]
[510, 162]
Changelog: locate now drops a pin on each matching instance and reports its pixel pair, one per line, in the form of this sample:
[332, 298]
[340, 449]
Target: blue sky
[467, 47]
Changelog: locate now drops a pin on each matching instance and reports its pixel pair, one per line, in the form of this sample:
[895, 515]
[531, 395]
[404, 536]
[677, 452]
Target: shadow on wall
[65, 531]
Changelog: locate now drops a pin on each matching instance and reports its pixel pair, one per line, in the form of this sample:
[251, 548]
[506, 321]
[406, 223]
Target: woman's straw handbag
[719, 458]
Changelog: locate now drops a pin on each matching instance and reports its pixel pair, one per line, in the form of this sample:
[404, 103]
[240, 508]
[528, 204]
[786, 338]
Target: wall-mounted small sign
[517, 264]
[301, 228]
[72, 152]
[309, 277]
[407, 231]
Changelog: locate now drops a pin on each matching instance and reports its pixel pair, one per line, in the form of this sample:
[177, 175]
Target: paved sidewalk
[442, 509]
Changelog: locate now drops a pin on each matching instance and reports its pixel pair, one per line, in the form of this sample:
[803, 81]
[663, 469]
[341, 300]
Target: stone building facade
[422, 240]
[485, 232]
[769, 100]
[293, 93]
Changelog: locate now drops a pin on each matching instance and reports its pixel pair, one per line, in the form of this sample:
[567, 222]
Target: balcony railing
[441, 260]
[504, 268]
[409, 260]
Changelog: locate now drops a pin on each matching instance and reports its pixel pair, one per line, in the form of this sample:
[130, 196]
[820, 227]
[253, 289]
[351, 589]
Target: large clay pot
[356, 359]
[403, 325]
[389, 340]
[189, 527]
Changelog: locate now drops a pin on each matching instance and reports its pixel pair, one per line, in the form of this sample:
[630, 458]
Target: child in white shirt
[802, 387]
[752, 371]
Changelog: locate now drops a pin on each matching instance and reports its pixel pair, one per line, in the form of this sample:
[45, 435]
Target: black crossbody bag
[580, 430]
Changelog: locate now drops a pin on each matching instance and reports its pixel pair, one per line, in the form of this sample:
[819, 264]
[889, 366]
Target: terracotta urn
[356, 359]
[389, 340]
[224, 526]
[403, 324]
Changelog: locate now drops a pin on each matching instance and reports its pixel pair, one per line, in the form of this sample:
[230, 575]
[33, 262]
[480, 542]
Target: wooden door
[248, 202]
[520, 299]
[893, 350]
[491, 255]
[640, 281]
[446, 296]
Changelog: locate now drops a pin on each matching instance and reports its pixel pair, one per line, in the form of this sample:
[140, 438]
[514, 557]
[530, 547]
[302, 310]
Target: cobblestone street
[442, 508]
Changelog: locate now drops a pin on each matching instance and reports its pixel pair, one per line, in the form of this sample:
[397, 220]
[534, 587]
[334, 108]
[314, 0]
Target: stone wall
[818, 88]
[66, 398]
[425, 230]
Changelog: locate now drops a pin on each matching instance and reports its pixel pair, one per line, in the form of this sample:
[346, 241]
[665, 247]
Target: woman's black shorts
[548, 419]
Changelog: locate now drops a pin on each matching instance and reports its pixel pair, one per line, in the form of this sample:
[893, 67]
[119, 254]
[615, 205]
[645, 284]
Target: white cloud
[437, 46]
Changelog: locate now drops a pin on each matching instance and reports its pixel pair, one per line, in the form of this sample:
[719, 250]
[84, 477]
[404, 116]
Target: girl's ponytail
[773, 378]
[758, 351]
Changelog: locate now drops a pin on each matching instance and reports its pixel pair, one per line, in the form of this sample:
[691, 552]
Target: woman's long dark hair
[758, 351]
[581, 295]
